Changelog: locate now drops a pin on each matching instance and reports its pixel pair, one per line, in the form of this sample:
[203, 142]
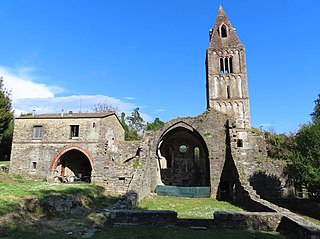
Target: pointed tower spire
[223, 34]
[227, 83]
[221, 11]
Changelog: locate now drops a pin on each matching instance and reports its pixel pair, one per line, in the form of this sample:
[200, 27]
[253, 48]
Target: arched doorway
[73, 164]
[183, 158]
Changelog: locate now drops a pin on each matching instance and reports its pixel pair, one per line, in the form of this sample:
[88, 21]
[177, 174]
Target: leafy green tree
[6, 116]
[136, 125]
[157, 124]
[7, 142]
[279, 146]
[125, 125]
[316, 110]
[304, 162]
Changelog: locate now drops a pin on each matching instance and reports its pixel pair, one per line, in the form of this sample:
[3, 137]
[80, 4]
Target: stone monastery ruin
[215, 150]
[215, 154]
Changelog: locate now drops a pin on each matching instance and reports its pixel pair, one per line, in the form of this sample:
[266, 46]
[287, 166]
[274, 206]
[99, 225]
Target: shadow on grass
[145, 232]
[179, 233]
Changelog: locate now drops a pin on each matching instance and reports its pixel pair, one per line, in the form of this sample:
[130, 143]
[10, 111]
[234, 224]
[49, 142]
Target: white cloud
[160, 110]
[21, 83]
[75, 103]
[29, 96]
[129, 98]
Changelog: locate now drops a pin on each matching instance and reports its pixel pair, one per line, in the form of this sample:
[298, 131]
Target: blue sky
[72, 54]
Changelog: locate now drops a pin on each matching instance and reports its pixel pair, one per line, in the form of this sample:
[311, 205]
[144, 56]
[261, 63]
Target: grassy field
[14, 190]
[4, 162]
[201, 208]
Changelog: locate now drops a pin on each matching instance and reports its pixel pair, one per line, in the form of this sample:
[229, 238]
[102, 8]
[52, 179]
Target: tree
[125, 126]
[279, 146]
[136, 125]
[157, 124]
[105, 106]
[304, 162]
[316, 110]
[6, 115]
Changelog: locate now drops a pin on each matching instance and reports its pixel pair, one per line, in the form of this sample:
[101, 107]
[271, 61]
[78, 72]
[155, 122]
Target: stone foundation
[256, 221]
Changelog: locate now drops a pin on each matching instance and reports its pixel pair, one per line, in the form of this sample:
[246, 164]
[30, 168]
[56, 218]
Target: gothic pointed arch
[183, 156]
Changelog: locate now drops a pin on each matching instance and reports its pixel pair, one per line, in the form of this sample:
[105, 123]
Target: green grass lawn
[201, 208]
[4, 162]
[14, 190]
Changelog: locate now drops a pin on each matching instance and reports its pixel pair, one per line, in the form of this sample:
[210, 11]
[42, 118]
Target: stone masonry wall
[97, 137]
[211, 125]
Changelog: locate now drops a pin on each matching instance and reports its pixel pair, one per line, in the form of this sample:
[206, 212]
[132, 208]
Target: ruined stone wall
[115, 170]
[211, 125]
[256, 170]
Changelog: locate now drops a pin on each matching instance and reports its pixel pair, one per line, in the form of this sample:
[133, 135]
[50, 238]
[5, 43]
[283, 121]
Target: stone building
[70, 147]
[215, 150]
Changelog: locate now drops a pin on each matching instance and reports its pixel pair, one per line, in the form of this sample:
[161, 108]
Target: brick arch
[57, 157]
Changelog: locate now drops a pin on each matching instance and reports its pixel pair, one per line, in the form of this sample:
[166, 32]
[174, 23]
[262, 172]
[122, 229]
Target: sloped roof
[68, 115]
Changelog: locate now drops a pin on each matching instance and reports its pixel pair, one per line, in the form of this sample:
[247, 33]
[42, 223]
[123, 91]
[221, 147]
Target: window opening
[37, 132]
[224, 31]
[221, 66]
[196, 154]
[230, 65]
[240, 143]
[228, 92]
[34, 165]
[74, 131]
[226, 65]
[183, 149]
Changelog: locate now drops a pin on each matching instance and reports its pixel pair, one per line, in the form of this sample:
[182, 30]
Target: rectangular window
[74, 131]
[37, 132]
[34, 165]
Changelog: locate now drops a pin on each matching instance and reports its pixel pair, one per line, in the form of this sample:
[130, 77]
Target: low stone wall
[141, 217]
[256, 221]
[230, 220]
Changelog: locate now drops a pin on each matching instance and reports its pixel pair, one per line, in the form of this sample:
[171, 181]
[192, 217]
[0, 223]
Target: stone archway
[73, 163]
[183, 157]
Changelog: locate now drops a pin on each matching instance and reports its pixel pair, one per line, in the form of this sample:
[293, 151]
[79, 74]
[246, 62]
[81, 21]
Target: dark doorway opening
[74, 166]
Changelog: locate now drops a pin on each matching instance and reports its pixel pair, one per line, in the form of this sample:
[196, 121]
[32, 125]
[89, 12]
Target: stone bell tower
[227, 82]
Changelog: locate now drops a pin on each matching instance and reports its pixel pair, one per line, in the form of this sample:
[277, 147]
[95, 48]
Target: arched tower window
[221, 66]
[226, 65]
[224, 31]
[230, 65]
[228, 92]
